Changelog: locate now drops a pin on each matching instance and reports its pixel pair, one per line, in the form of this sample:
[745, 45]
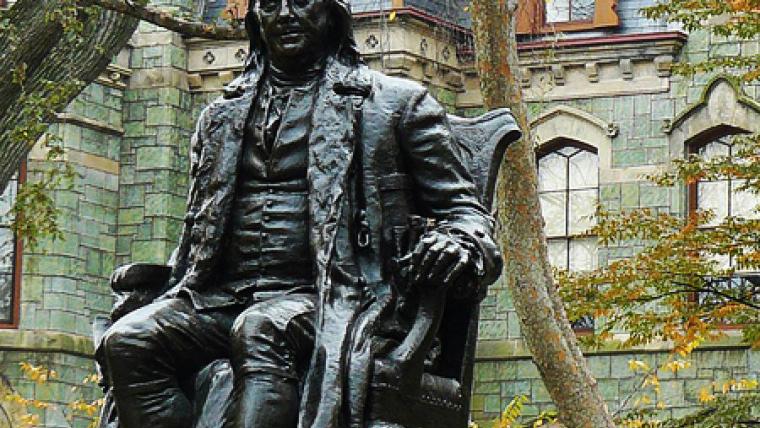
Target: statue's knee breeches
[156, 341]
[131, 340]
[274, 337]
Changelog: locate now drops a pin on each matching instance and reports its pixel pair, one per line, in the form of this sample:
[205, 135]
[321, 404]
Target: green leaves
[734, 20]
[35, 210]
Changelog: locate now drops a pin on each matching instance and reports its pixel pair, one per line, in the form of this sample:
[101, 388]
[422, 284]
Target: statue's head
[299, 30]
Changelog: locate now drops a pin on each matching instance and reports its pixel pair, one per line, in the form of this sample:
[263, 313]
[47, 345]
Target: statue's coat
[371, 134]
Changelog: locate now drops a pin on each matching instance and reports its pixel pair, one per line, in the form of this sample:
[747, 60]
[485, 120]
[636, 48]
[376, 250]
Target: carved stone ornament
[209, 57]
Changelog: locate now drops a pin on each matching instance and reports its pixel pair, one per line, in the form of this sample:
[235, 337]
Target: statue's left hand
[438, 258]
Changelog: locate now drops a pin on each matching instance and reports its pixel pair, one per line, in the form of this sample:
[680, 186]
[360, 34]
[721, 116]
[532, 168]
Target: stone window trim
[13, 322]
[723, 109]
[531, 18]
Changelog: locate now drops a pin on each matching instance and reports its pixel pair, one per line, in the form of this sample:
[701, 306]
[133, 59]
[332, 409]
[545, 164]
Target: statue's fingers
[420, 250]
[429, 259]
[446, 257]
[457, 268]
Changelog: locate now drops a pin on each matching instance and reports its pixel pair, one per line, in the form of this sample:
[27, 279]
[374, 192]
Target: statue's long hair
[343, 47]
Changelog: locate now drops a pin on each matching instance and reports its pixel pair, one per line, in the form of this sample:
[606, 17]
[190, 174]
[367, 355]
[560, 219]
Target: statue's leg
[144, 353]
[271, 348]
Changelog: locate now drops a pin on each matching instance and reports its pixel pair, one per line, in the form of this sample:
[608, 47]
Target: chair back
[485, 140]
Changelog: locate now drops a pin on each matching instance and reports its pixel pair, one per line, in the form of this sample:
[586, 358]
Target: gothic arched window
[568, 187]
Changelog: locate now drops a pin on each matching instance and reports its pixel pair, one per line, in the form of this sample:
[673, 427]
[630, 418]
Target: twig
[165, 20]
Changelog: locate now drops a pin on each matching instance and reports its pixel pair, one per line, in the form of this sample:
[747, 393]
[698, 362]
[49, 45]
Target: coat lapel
[333, 140]
[216, 176]
[332, 144]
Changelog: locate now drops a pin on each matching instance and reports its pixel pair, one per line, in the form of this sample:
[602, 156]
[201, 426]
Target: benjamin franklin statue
[303, 174]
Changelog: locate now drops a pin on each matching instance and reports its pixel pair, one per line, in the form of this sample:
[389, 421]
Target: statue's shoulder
[393, 85]
[393, 93]
[224, 105]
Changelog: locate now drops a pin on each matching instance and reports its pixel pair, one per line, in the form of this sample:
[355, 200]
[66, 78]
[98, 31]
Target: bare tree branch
[164, 19]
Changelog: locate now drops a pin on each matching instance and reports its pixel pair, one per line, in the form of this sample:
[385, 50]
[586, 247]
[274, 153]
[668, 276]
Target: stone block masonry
[500, 379]
[155, 153]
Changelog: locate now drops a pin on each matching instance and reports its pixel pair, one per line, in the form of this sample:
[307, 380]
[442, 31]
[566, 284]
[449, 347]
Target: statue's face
[294, 29]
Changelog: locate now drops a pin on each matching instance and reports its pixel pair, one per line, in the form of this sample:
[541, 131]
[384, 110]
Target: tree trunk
[51, 60]
[544, 322]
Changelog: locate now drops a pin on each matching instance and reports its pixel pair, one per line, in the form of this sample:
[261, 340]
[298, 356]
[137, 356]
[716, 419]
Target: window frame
[18, 258]
[587, 325]
[692, 200]
[531, 18]
[548, 149]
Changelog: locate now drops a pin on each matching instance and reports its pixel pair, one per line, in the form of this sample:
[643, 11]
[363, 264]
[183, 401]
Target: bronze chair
[438, 394]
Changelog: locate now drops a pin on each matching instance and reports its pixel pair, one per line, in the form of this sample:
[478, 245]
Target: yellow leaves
[652, 380]
[20, 407]
[512, 412]
[93, 378]
[675, 366]
[685, 348]
[88, 408]
[635, 423]
[17, 399]
[742, 5]
[706, 393]
[748, 384]
[705, 396]
[30, 420]
[37, 374]
[638, 366]
[733, 385]
[643, 400]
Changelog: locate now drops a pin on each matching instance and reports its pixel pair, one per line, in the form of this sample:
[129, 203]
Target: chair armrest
[140, 276]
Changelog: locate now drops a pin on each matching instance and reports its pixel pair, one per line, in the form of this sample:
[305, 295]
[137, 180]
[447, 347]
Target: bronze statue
[332, 219]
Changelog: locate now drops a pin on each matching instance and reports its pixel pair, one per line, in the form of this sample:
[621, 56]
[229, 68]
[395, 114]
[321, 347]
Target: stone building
[604, 108]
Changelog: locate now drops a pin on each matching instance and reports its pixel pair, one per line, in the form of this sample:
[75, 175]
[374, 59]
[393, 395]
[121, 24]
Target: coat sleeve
[444, 188]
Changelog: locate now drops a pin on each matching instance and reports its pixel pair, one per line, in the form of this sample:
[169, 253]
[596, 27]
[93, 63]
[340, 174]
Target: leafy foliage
[736, 19]
[19, 411]
[510, 417]
[34, 210]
